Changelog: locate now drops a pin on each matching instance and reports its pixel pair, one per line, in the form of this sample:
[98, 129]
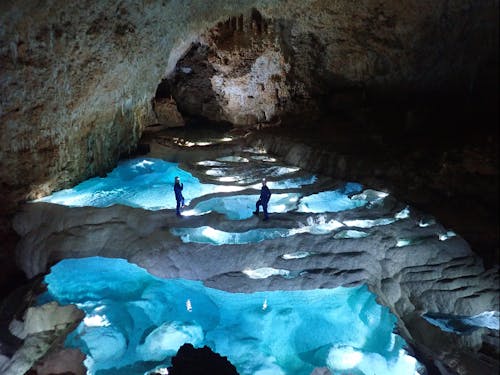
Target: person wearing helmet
[265, 195]
[178, 186]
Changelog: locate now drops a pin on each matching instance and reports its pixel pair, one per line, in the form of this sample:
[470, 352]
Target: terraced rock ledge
[411, 262]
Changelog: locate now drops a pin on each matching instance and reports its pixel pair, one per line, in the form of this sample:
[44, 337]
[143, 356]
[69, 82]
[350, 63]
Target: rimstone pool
[283, 297]
[135, 322]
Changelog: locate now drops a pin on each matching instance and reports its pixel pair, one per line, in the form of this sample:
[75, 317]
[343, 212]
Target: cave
[375, 123]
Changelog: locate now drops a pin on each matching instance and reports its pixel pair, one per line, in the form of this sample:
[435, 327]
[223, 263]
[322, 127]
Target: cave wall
[237, 73]
[77, 82]
[77, 79]
[261, 67]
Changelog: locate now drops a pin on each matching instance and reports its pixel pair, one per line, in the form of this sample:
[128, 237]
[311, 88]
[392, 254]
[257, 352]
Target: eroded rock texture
[43, 329]
[237, 73]
[78, 83]
[407, 258]
[78, 79]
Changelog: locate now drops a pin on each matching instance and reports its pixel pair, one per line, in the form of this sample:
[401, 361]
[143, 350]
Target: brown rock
[77, 80]
[65, 361]
[167, 113]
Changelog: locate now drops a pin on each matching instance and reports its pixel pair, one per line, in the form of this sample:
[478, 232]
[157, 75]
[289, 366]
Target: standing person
[265, 195]
[178, 186]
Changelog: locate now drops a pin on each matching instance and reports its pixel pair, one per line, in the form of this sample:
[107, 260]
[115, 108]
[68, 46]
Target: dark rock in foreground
[193, 361]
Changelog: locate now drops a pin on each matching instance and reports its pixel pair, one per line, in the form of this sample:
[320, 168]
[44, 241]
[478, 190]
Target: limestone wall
[77, 81]
[77, 78]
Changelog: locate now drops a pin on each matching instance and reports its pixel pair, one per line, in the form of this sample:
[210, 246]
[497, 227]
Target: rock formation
[167, 113]
[400, 95]
[43, 329]
[408, 259]
[237, 73]
[78, 79]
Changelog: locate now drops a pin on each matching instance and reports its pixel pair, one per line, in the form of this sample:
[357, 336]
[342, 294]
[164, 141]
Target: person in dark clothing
[178, 186]
[265, 195]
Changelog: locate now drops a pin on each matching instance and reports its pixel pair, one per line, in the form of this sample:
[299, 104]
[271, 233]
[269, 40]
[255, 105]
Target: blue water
[329, 201]
[213, 236]
[148, 183]
[207, 234]
[240, 207]
[136, 322]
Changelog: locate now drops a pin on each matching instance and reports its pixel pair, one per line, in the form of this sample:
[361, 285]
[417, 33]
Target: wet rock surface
[42, 330]
[78, 80]
[454, 176]
[408, 259]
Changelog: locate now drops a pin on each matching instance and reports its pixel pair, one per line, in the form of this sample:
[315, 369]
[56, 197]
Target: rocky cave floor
[459, 186]
[451, 172]
[411, 260]
[453, 175]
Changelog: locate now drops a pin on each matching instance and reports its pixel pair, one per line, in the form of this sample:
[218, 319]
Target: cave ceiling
[81, 82]
[78, 79]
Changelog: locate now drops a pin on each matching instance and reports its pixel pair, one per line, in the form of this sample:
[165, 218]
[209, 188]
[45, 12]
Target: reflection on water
[148, 183]
[136, 322]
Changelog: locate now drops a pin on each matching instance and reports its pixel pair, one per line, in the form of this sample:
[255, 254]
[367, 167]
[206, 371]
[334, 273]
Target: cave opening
[188, 101]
